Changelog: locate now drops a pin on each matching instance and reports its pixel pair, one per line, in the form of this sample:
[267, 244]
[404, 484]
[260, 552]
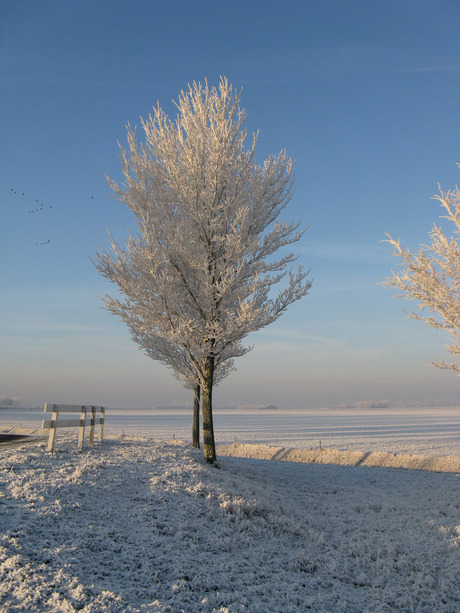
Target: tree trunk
[196, 418]
[209, 447]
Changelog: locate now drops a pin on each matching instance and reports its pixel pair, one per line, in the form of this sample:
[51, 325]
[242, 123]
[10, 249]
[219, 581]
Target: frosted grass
[138, 526]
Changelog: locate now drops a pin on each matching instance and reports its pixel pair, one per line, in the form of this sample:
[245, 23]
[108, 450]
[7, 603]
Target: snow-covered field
[138, 524]
[426, 431]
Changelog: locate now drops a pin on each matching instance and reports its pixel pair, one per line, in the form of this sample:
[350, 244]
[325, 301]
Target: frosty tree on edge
[431, 277]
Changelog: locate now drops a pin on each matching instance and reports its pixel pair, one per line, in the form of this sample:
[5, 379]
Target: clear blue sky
[363, 94]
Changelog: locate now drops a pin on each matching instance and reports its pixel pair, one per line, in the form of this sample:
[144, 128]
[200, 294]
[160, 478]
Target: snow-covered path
[139, 525]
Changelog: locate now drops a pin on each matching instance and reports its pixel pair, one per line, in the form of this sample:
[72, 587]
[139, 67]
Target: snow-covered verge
[344, 458]
[138, 525]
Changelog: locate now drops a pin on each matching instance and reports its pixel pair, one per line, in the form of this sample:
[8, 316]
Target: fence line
[89, 415]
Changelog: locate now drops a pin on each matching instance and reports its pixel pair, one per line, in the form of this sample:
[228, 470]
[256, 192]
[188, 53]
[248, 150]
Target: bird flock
[36, 208]
[39, 208]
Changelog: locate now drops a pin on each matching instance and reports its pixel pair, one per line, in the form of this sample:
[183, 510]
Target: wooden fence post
[91, 425]
[81, 433]
[54, 418]
[101, 423]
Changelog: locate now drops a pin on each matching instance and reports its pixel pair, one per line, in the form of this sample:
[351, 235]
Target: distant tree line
[372, 404]
[6, 401]
[365, 404]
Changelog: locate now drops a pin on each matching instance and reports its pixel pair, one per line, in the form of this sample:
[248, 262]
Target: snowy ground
[139, 525]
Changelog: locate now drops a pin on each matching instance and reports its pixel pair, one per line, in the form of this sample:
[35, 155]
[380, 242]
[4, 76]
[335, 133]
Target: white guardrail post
[55, 422]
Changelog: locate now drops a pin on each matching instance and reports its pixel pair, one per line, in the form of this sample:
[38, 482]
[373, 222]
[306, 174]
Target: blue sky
[364, 95]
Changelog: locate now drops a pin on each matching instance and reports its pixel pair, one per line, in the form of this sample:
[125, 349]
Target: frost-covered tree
[200, 271]
[431, 277]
